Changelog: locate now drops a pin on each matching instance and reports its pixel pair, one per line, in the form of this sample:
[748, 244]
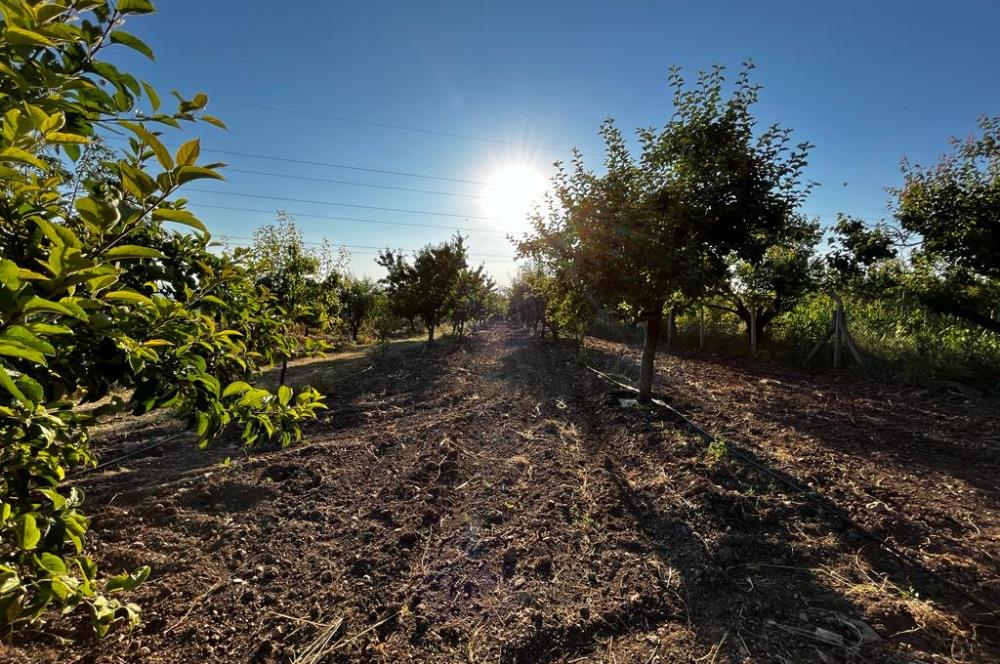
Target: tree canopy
[704, 188]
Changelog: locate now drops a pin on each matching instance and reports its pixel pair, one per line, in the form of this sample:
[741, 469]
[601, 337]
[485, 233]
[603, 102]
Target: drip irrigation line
[797, 486]
[128, 455]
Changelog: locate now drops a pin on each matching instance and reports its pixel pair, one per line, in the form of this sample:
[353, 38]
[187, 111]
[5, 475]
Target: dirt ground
[490, 501]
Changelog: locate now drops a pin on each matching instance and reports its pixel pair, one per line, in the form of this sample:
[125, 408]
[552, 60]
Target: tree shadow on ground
[848, 416]
[762, 568]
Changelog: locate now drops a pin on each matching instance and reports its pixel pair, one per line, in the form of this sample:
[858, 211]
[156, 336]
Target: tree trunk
[701, 328]
[284, 370]
[654, 317]
[838, 334]
[430, 331]
[764, 318]
[753, 333]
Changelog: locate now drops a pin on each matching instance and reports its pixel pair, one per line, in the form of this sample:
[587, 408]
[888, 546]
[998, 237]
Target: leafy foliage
[705, 189]
[99, 294]
[954, 208]
[428, 287]
[360, 301]
[472, 299]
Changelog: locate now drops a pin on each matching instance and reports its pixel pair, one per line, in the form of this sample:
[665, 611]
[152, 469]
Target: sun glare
[511, 194]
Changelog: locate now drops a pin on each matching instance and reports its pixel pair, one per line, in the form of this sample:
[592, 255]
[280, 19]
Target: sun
[511, 194]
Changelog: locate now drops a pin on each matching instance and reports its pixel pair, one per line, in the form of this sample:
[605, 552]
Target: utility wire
[353, 246]
[389, 125]
[352, 183]
[339, 204]
[354, 219]
[307, 162]
[508, 261]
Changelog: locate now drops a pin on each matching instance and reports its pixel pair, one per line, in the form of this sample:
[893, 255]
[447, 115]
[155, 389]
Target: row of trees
[322, 299]
[438, 286]
[708, 214]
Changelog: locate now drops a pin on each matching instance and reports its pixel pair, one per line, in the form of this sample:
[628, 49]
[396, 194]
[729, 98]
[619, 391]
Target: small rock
[131, 446]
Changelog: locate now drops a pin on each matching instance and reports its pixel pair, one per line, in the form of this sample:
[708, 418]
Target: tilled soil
[490, 501]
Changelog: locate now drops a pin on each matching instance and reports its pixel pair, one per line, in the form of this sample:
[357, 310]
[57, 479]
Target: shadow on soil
[854, 417]
[763, 586]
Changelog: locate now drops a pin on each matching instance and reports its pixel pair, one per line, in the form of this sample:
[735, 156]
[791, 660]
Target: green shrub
[99, 296]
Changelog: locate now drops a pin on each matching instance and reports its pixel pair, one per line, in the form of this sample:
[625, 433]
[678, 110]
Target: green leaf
[51, 563]
[139, 183]
[128, 581]
[22, 37]
[236, 387]
[27, 532]
[76, 527]
[126, 251]
[188, 173]
[58, 501]
[154, 99]
[136, 7]
[9, 274]
[31, 388]
[179, 216]
[19, 156]
[35, 303]
[19, 351]
[187, 154]
[8, 384]
[128, 296]
[48, 328]
[147, 137]
[133, 42]
[60, 137]
[212, 120]
[21, 335]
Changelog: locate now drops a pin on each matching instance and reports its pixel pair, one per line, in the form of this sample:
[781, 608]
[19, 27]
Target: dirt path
[489, 502]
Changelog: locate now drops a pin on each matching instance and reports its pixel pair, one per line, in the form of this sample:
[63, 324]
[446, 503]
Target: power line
[355, 246]
[338, 204]
[352, 183]
[389, 125]
[289, 160]
[354, 219]
[344, 166]
[822, 215]
[508, 261]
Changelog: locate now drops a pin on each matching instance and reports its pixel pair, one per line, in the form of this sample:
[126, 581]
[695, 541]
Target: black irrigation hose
[748, 458]
[118, 459]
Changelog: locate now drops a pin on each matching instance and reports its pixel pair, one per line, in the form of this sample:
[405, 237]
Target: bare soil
[491, 501]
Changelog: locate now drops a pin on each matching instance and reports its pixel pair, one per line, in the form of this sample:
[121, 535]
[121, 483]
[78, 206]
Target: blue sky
[866, 82]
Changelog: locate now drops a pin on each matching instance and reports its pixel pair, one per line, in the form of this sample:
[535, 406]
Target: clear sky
[333, 82]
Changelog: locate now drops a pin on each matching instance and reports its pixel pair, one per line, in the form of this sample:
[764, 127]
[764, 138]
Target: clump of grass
[929, 619]
[717, 450]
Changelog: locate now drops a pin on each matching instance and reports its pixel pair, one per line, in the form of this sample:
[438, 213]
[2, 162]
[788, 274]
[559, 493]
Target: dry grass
[930, 621]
